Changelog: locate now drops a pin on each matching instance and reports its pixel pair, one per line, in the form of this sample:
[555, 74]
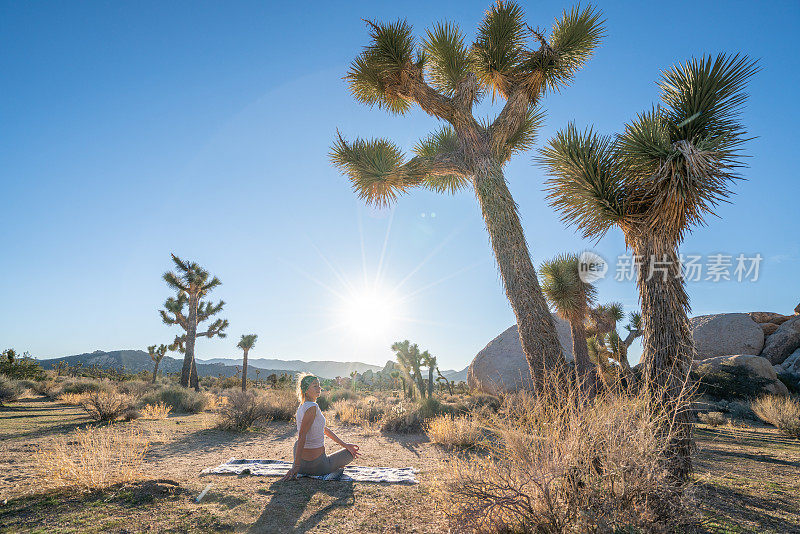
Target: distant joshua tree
[246, 343]
[410, 360]
[192, 283]
[156, 354]
[663, 175]
[571, 297]
[446, 77]
[429, 362]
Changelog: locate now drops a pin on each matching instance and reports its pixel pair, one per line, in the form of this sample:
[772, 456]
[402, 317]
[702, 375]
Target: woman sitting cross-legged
[309, 449]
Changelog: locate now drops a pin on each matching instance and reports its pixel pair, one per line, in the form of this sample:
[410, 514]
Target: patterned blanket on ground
[355, 473]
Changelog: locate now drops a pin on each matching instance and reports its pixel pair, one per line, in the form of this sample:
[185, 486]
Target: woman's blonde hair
[303, 381]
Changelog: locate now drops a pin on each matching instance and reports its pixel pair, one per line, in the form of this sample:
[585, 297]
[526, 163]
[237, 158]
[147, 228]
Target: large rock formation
[783, 342]
[757, 365]
[724, 334]
[769, 317]
[501, 365]
[790, 365]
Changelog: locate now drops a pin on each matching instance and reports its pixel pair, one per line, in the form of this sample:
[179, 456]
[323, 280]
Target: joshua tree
[246, 343]
[603, 318]
[446, 77]
[258, 372]
[571, 297]
[442, 378]
[663, 175]
[156, 354]
[409, 359]
[429, 362]
[605, 342]
[192, 283]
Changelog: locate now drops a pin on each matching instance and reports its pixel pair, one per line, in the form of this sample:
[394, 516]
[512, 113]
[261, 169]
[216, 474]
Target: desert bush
[780, 412]
[9, 390]
[20, 368]
[215, 402]
[281, 404]
[107, 406]
[732, 382]
[155, 411]
[93, 459]
[712, 418]
[84, 386]
[244, 409]
[135, 388]
[341, 394]
[482, 401]
[323, 403]
[461, 431]
[359, 412]
[554, 464]
[410, 417]
[72, 399]
[180, 399]
[791, 381]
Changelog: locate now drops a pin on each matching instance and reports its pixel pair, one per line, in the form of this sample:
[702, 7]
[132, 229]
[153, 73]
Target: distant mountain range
[134, 361]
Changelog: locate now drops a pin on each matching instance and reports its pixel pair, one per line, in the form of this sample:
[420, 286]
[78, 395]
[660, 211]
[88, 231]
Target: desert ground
[746, 480]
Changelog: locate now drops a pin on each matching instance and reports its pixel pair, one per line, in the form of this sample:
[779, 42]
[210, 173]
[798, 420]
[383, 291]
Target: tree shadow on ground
[746, 456]
[410, 442]
[742, 509]
[290, 499]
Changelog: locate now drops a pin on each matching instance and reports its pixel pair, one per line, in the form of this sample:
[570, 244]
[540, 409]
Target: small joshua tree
[446, 78]
[246, 343]
[410, 360]
[156, 354]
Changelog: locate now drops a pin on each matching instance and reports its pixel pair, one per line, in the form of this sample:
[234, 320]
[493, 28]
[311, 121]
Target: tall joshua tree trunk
[191, 336]
[537, 333]
[244, 369]
[667, 340]
[155, 372]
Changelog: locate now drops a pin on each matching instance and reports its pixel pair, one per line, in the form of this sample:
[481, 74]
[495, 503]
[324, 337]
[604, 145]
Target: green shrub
[411, 418]
[714, 419]
[180, 399]
[84, 386]
[20, 368]
[341, 394]
[324, 403]
[733, 382]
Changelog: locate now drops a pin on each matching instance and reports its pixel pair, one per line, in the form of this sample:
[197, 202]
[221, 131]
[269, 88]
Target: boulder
[783, 342]
[723, 334]
[797, 310]
[768, 328]
[501, 365]
[790, 365]
[757, 365]
[769, 317]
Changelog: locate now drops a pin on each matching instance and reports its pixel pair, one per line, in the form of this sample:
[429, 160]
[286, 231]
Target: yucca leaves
[376, 74]
[447, 59]
[524, 138]
[564, 289]
[572, 42]
[499, 46]
[440, 143]
[584, 183]
[704, 96]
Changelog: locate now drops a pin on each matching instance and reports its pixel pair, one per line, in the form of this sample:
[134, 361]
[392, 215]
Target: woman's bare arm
[305, 426]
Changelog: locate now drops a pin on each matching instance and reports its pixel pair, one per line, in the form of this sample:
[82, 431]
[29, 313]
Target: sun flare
[370, 313]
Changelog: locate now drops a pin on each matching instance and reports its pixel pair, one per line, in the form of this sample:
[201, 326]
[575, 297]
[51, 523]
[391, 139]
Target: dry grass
[281, 404]
[780, 412]
[454, 432]
[714, 419]
[92, 459]
[364, 412]
[558, 464]
[107, 406]
[215, 402]
[155, 412]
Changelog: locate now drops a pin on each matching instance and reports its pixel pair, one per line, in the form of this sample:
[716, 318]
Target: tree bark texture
[537, 332]
[244, 370]
[191, 335]
[668, 344]
[155, 371]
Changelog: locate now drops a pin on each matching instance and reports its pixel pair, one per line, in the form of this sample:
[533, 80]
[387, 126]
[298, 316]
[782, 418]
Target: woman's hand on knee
[352, 449]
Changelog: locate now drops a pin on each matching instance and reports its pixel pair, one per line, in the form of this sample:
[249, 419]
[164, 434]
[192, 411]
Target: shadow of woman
[290, 499]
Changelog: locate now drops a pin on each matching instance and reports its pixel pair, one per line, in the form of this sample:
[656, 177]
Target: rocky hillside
[325, 369]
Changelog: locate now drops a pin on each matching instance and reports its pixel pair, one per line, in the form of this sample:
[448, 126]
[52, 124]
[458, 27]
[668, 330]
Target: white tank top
[316, 436]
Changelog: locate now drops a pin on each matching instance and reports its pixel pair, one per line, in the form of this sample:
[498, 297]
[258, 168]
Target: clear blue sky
[132, 130]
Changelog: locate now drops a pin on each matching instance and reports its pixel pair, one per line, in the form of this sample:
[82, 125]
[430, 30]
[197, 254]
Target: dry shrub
[155, 411]
[107, 406]
[714, 419]
[136, 388]
[364, 412]
[281, 404]
[72, 399]
[780, 412]
[557, 464]
[410, 417]
[243, 410]
[215, 402]
[454, 432]
[9, 390]
[181, 399]
[93, 458]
